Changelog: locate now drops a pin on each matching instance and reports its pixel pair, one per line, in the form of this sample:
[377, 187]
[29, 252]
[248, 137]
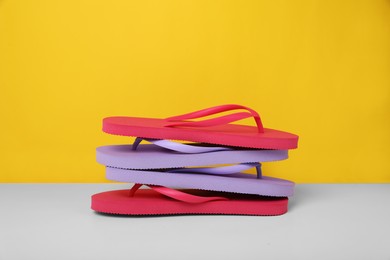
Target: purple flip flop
[236, 182]
[149, 156]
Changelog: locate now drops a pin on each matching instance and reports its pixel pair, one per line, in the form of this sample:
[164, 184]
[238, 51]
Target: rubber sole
[228, 135]
[147, 202]
[149, 156]
[236, 183]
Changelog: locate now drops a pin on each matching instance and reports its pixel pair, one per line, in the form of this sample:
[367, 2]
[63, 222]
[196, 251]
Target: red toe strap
[222, 120]
[175, 194]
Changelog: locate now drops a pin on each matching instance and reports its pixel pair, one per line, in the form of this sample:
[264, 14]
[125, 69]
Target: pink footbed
[219, 130]
[150, 202]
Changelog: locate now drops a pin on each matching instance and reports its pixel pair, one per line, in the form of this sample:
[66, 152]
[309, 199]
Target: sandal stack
[205, 173]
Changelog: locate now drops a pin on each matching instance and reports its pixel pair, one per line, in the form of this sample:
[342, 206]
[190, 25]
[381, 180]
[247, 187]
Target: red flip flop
[215, 131]
[164, 201]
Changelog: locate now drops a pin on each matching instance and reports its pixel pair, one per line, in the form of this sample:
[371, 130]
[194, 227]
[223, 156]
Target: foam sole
[237, 183]
[228, 135]
[149, 156]
[148, 202]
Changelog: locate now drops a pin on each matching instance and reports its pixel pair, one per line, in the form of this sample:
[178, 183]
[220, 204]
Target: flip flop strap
[190, 149]
[224, 170]
[175, 194]
[178, 147]
[222, 120]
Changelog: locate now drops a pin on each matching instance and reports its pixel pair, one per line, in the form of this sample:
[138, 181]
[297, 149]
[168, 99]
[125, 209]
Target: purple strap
[178, 147]
[224, 170]
[185, 148]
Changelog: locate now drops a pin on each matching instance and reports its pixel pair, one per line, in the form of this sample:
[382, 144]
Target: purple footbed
[239, 182]
[149, 156]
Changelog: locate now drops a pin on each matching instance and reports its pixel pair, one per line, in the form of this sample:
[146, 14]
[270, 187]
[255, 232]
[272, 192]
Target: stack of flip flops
[203, 177]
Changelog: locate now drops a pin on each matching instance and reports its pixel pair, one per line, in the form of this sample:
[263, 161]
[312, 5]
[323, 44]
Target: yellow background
[316, 68]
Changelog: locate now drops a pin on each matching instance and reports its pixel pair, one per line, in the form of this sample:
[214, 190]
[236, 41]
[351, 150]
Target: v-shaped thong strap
[222, 170]
[179, 147]
[175, 194]
[222, 120]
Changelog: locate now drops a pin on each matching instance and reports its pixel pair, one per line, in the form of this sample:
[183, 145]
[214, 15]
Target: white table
[54, 221]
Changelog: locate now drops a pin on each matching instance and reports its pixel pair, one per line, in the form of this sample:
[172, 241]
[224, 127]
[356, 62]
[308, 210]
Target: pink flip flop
[214, 131]
[164, 201]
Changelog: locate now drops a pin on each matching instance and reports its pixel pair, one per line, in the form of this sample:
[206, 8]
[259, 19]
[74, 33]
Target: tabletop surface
[325, 221]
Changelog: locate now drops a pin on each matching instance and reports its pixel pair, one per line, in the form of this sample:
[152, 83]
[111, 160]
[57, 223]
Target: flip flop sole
[228, 135]
[237, 183]
[149, 156]
[148, 202]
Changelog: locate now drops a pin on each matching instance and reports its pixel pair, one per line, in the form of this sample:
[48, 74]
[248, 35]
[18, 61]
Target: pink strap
[222, 120]
[175, 194]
